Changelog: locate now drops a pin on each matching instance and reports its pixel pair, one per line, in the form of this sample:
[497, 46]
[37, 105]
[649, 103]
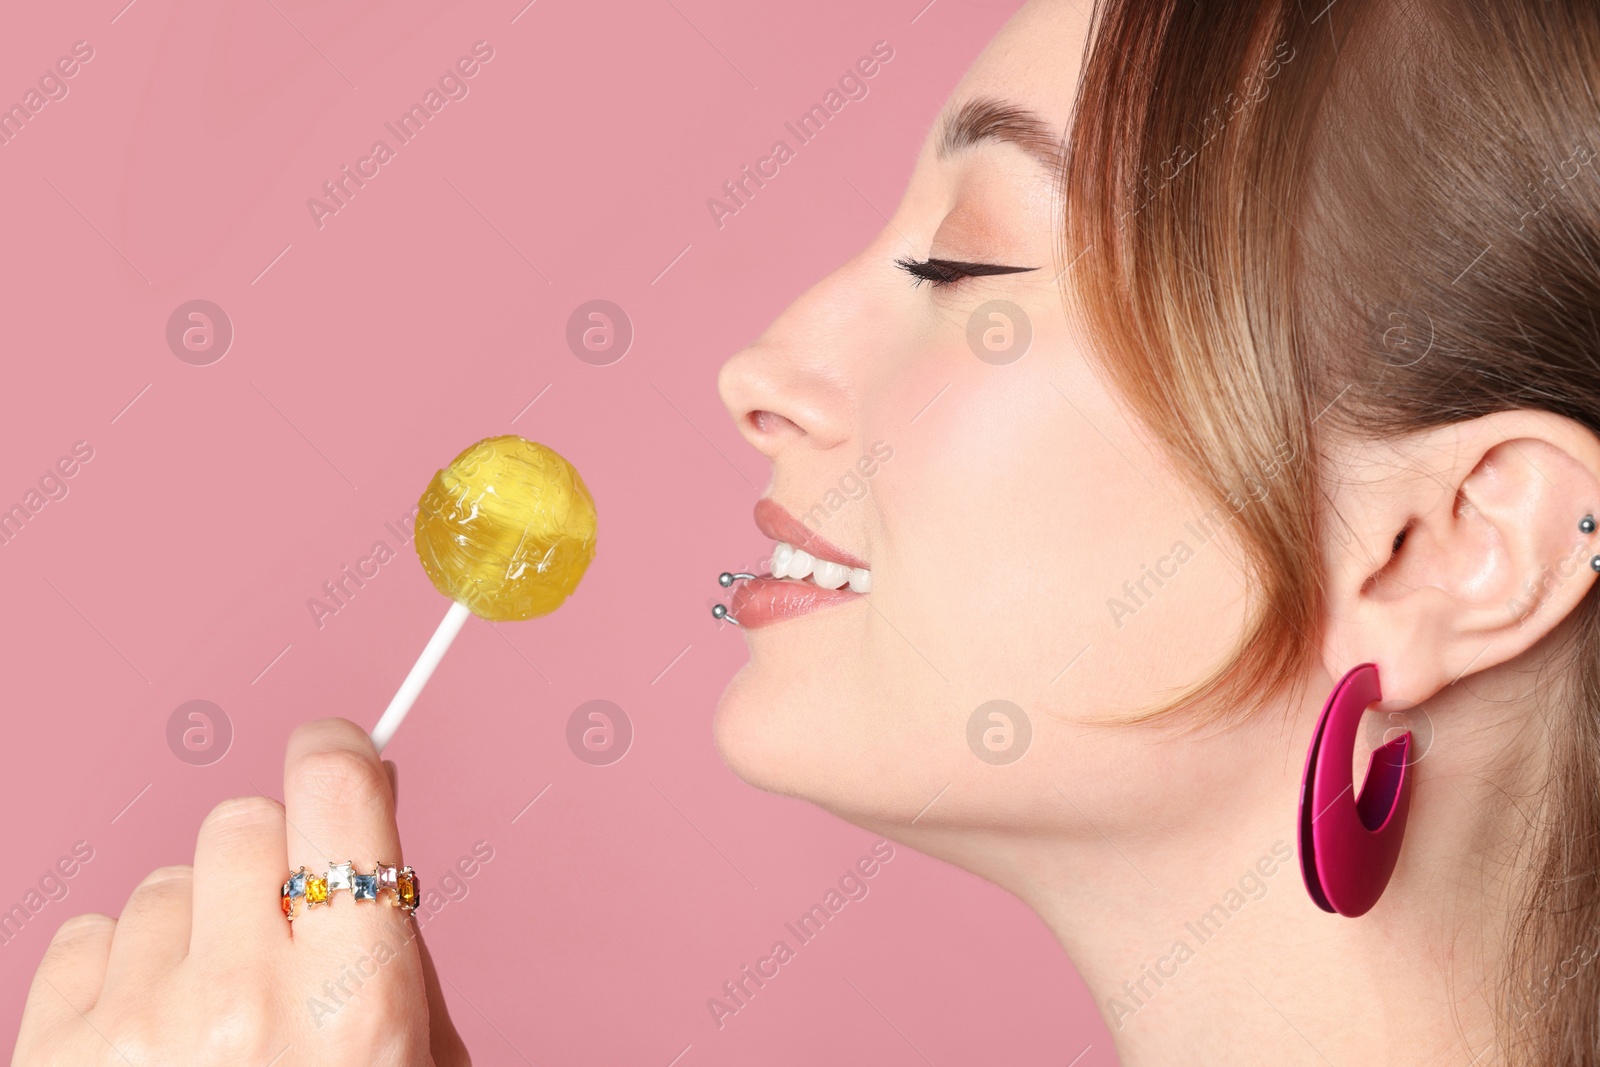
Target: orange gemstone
[288, 906]
[316, 889]
[407, 887]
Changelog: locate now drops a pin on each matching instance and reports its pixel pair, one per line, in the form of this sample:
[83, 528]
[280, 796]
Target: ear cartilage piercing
[1586, 524]
[1594, 563]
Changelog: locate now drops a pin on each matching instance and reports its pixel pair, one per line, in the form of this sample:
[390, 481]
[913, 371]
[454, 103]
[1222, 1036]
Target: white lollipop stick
[421, 671]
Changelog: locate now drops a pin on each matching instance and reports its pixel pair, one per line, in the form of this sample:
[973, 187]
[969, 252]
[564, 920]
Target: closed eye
[942, 272]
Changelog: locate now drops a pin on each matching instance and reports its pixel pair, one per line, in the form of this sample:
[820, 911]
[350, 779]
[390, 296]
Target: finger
[238, 878]
[152, 933]
[444, 1042]
[339, 807]
[70, 976]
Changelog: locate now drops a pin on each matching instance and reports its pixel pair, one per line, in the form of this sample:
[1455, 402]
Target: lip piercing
[726, 579]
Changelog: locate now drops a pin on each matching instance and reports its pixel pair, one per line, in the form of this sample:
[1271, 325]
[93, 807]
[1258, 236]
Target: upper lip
[777, 523]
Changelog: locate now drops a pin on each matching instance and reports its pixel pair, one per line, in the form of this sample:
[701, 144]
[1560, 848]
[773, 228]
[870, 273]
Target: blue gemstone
[297, 884]
[365, 887]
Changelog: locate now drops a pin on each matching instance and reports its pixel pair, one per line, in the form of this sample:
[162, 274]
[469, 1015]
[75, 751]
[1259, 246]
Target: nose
[793, 386]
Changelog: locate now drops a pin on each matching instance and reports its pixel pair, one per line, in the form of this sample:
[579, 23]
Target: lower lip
[760, 602]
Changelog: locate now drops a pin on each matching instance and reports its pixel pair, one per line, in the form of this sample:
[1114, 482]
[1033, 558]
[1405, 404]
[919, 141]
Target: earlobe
[1469, 548]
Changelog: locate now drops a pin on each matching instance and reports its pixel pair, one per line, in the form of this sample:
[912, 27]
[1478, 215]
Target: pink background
[425, 315]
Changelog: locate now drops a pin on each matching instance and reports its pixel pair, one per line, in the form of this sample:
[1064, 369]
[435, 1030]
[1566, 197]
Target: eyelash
[943, 272]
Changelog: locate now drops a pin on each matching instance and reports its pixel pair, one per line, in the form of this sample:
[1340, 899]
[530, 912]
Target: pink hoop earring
[1349, 843]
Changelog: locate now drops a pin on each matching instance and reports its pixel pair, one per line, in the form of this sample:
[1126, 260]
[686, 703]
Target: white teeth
[829, 575]
[790, 562]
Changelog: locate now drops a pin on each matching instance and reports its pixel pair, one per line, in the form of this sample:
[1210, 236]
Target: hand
[203, 968]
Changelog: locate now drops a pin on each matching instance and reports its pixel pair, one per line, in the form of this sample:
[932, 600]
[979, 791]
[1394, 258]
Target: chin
[785, 736]
[763, 735]
[780, 725]
[796, 731]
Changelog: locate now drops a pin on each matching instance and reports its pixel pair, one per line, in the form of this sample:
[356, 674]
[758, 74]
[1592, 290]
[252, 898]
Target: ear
[1456, 549]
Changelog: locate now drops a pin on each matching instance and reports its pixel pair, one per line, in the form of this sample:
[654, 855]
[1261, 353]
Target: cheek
[1006, 523]
[1012, 518]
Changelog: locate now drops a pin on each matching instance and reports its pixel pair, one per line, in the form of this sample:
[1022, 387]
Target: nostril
[770, 422]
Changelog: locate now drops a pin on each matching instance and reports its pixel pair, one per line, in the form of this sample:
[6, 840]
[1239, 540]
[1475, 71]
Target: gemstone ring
[400, 883]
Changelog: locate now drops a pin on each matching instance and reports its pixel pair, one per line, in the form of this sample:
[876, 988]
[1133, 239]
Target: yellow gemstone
[316, 889]
[507, 529]
[407, 889]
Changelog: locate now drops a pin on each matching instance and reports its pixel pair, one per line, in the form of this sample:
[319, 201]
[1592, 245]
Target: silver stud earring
[1586, 524]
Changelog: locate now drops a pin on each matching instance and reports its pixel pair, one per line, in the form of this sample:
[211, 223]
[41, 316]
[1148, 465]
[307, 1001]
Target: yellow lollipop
[506, 531]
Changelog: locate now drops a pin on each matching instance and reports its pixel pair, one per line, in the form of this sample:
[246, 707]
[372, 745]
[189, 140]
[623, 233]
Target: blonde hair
[1366, 221]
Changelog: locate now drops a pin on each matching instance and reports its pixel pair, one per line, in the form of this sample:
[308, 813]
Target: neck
[1195, 931]
[1220, 948]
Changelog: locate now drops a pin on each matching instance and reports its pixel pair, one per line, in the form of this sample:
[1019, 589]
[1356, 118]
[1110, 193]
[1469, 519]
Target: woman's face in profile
[1026, 543]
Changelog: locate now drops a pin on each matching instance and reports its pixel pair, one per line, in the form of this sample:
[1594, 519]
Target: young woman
[1284, 361]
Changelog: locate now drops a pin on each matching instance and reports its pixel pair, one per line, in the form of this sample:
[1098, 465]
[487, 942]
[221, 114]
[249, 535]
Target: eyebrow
[984, 119]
